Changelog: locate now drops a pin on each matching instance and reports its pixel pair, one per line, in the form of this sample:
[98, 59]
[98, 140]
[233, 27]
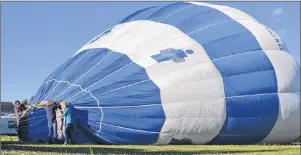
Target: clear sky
[37, 37]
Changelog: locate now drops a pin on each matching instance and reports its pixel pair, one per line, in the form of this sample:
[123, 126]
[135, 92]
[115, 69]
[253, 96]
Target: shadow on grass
[18, 143]
[103, 150]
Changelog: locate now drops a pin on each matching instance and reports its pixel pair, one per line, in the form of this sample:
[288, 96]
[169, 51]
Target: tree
[30, 100]
[25, 102]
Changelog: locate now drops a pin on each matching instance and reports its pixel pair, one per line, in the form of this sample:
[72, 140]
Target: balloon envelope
[184, 73]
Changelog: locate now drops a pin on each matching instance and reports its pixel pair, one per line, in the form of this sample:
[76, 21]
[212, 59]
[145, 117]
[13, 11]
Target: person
[50, 108]
[69, 122]
[21, 120]
[18, 111]
[59, 122]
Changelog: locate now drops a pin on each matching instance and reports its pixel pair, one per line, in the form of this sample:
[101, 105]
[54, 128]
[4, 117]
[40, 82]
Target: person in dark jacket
[69, 122]
[50, 108]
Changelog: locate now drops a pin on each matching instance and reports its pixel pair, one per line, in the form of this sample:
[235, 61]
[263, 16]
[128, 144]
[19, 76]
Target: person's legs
[49, 132]
[73, 134]
[54, 137]
[63, 131]
[70, 134]
[20, 130]
[17, 122]
[59, 126]
[66, 134]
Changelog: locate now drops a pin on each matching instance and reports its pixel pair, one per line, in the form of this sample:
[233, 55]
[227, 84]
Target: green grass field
[9, 147]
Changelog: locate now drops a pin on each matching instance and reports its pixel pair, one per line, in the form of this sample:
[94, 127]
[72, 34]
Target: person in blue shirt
[50, 108]
[69, 122]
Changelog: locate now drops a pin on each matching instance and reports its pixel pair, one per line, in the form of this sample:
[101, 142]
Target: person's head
[49, 104]
[59, 105]
[17, 102]
[62, 104]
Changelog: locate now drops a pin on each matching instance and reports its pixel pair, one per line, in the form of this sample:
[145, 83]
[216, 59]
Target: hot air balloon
[183, 73]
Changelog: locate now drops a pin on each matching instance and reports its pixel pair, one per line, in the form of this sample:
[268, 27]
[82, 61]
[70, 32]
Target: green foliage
[91, 151]
[24, 102]
[12, 148]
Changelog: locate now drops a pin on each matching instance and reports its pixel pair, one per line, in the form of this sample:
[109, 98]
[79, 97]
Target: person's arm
[16, 109]
[42, 104]
[23, 114]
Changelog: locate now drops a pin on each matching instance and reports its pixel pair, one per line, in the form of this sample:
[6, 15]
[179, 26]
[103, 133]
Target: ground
[9, 146]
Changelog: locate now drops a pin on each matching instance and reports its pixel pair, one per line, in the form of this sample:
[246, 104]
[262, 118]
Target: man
[50, 108]
[69, 122]
[18, 111]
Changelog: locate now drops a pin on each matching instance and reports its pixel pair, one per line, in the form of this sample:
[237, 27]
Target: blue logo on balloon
[175, 55]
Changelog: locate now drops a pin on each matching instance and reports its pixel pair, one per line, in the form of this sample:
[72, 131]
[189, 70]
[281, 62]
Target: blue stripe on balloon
[47, 89]
[59, 74]
[93, 58]
[126, 136]
[37, 96]
[249, 119]
[61, 71]
[37, 125]
[137, 116]
[254, 61]
[56, 90]
[167, 11]
[247, 74]
[252, 103]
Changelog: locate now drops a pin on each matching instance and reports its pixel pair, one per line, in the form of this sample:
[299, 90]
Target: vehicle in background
[8, 119]
[8, 125]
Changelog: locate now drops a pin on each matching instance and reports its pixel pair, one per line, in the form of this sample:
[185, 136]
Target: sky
[37, 37]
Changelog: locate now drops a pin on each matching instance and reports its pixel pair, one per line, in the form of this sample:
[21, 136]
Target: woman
[69, 122]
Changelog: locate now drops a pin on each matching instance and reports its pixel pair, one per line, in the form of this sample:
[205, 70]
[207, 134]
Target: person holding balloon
[69, 122]
[50, 108]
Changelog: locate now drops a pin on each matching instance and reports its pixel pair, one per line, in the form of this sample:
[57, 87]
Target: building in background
[8, 119]
[7, 108]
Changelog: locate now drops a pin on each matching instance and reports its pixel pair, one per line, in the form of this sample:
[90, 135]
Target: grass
[12, 148]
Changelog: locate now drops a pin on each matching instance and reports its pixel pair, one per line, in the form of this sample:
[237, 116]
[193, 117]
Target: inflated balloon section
[184, 73]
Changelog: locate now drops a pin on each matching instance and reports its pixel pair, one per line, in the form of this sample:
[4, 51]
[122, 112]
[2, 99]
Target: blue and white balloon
[184, 73]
